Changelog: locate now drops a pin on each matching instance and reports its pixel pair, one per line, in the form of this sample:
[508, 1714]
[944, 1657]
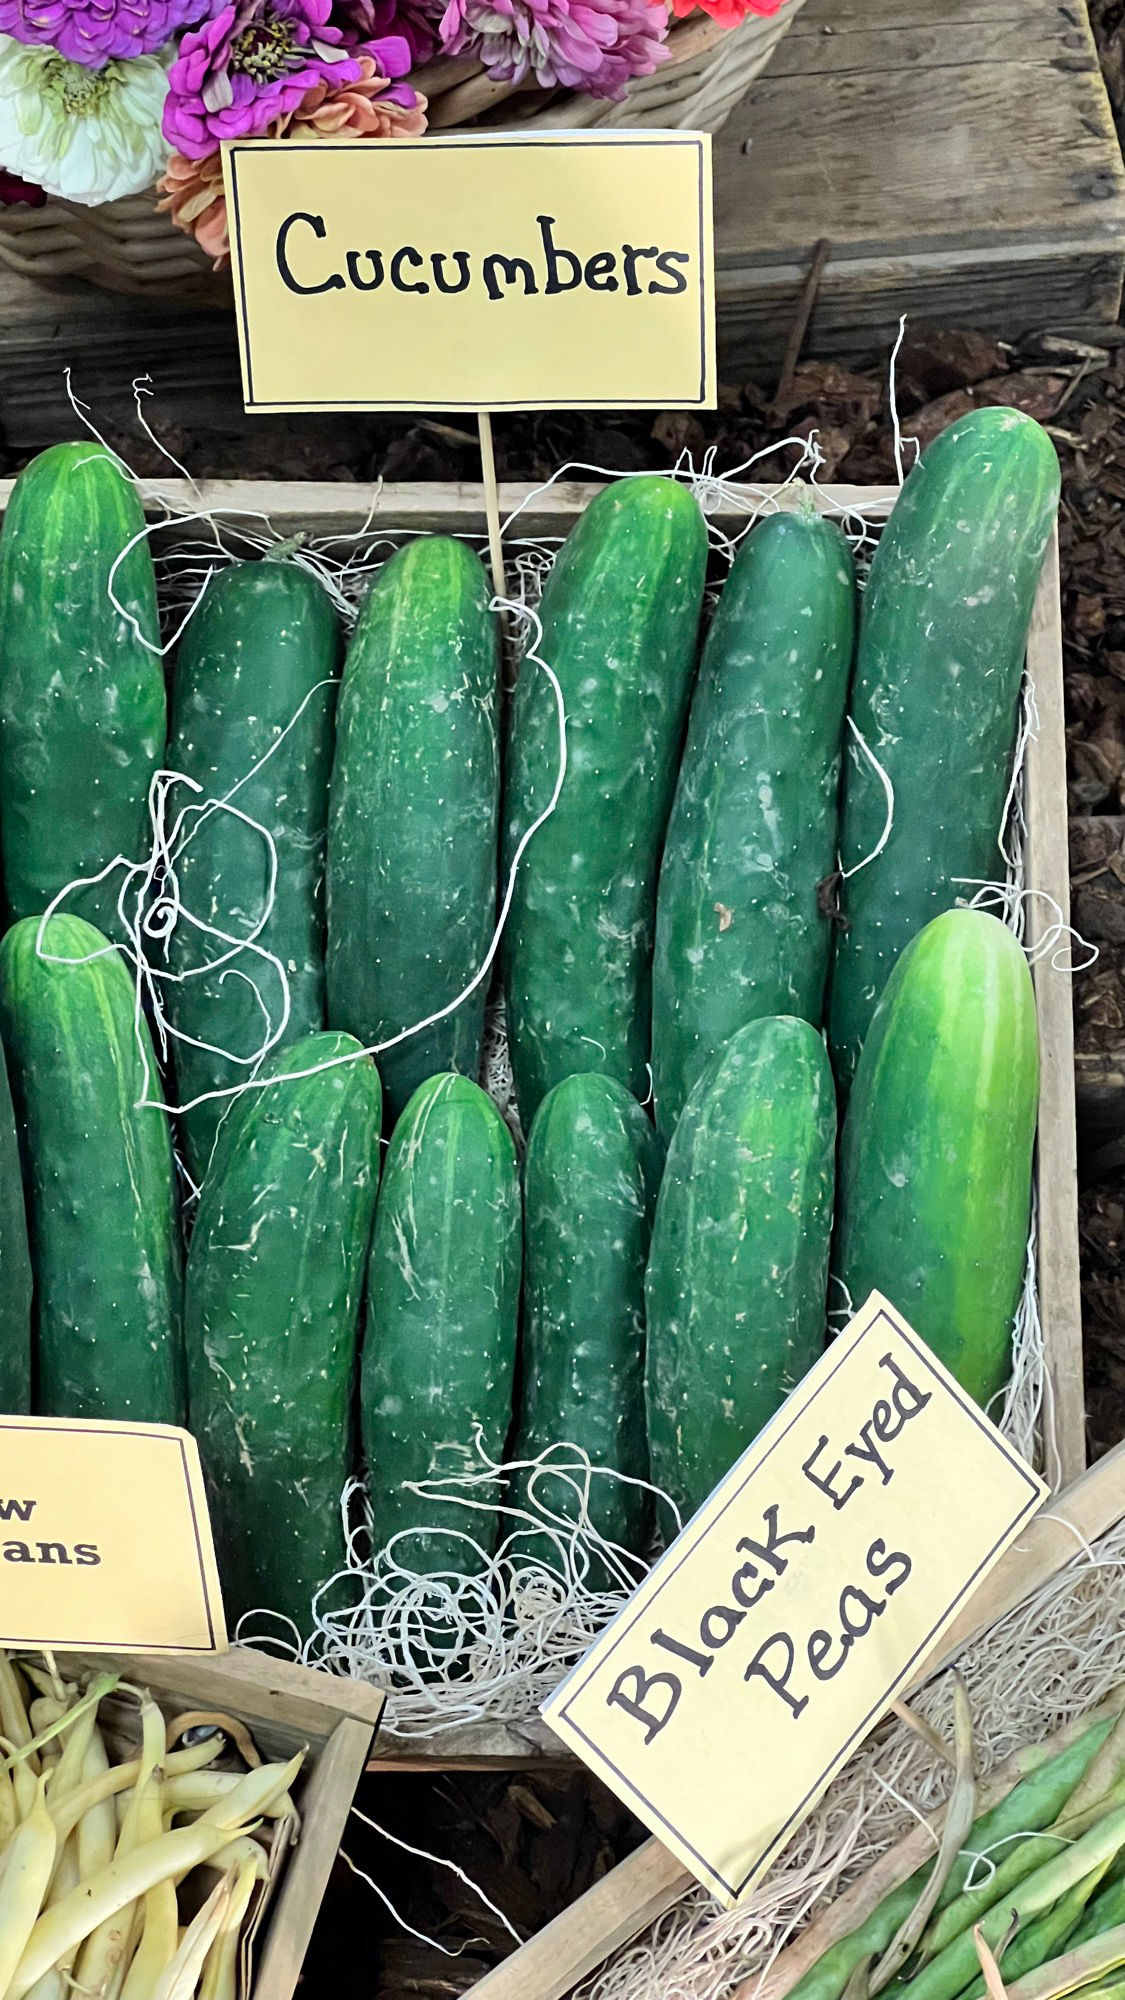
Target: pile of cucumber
[716, 945]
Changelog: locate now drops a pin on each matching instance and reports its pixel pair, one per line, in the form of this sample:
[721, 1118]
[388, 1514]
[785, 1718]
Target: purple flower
[595, 46]
[94, 32]
[252, 64]
[13, 189]
[368, 21]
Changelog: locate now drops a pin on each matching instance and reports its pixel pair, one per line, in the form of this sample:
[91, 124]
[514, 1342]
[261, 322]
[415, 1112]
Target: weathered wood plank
[959, 155]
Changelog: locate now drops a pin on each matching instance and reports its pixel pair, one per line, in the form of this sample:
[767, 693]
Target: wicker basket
[130, 246]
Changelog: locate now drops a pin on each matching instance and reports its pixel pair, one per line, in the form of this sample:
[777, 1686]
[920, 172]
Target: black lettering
[820, 1645]
[892, 1569]
[53, 1552]
[679, 281]
[824, 1481]
[869, 1451]
[870, 1608]
[461, 259]
[16, 1510]
[407, 255]
[748, 1599]
[631, 255]
[316, 223]
[17, 1552]
[511, 267]
[767, 1551]
[778, 1682]
[643, 1685]
[698, 1660]
[599, 272]
[375, 259]
[87, 1553]
[881, 1423]
[717, 1625]
[555, 256]
[908, 1400]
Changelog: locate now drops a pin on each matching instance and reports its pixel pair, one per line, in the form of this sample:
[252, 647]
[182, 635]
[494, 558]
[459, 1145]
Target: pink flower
[728, 13]
[94, 32]
[595, 46]
[368, 21]
[251, 64]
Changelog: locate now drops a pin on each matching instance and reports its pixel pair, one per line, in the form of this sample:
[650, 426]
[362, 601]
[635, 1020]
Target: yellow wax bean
[103, 1955]
[196, 1790]
[120, 1778]
[9, 1815]
[242, 1853]
[13, 1714]
[220, 1975]
[24, 1884]
[179, 1980]
[171, 1855]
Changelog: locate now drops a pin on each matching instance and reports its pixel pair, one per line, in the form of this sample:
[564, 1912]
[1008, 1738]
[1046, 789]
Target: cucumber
[943, 632]
[739, 932]
[82, 712]
[254, 670]
[99, 1177]
[274, 1279]
[15, 1266]
[620, 617]
[936, 1155]
[439, 1348]
[414, 815]
[590, 1180]
[738, 1272]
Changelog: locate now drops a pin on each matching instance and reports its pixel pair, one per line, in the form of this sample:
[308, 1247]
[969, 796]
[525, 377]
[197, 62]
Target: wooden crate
[286, 1709]
[641, 1888]
[340, 509]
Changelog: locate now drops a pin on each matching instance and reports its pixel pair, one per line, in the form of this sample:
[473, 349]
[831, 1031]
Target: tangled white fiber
[1051, 1659]
[519, 1621]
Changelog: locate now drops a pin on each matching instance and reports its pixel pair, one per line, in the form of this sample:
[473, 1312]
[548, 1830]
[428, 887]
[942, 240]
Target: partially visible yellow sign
[486, 271]
[105, 1539]
[797, 1603]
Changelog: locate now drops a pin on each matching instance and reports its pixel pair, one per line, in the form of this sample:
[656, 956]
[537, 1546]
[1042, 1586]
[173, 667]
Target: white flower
[88, 134]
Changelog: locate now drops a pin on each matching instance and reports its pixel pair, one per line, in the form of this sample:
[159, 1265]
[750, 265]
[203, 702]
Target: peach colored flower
[192, 190]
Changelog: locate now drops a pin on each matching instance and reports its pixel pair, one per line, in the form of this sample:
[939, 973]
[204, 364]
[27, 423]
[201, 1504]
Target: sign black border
[251, 403]
[577, 1682]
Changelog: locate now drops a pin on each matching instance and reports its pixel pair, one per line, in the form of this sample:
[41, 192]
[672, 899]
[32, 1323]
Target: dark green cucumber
[936, 1156]
[739, 929]
[943, 632]
[414, 814]
[738, 1272]
[443, 1287]
[15, 1266]
[274, 1280]
[82, 713]
[589, 1186]
[255, 669]
[620, 617]
[99, 1177]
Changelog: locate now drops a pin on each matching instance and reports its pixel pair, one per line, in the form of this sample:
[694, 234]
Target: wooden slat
[1048, 872]
[261, 1689]
[326, 1804]
[650, 1881]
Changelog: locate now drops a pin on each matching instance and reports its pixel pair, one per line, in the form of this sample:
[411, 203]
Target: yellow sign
[105, 1540]
[797, 1603]
[487, 271]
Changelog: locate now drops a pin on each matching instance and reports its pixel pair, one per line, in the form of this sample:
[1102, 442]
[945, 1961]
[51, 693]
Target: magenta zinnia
[94, 32]
[591, 45]
[368, 21]
[251, 64]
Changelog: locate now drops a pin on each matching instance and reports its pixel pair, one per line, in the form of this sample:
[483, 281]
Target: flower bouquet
[104, 100]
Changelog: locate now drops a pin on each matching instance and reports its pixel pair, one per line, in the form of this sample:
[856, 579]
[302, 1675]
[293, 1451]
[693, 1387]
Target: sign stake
[492, 503]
